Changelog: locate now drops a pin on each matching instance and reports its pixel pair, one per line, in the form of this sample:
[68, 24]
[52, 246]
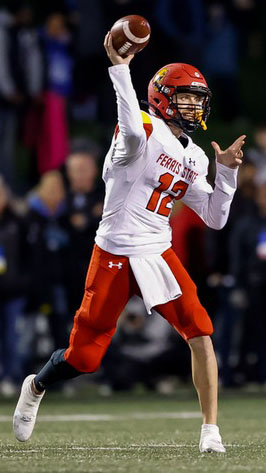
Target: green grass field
[135, 433]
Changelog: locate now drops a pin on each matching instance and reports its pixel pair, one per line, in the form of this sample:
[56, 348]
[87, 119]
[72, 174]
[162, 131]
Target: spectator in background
[217, 243]
[248, 266]
[52, 142]
[48, 243]
[245, 15]
[84, 210]
[257, 154]
[223, 301]
[21, 74]
[222, 41]
[13, 283]
[182, 23]
[90, 61]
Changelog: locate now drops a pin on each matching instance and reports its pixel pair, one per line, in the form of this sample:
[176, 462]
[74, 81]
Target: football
[130, 34]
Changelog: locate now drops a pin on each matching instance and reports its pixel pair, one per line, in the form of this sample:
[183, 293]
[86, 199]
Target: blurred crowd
[57, 115]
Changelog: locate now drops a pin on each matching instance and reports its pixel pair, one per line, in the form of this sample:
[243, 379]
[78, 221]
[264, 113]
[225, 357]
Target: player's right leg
[109, 285]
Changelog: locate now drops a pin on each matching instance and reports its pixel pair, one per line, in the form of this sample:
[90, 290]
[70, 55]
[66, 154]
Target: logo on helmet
[158, 78]
[196, 74]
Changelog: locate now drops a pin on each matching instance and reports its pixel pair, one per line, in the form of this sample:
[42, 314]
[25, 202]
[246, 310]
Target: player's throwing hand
[113, 55]
[232, 156]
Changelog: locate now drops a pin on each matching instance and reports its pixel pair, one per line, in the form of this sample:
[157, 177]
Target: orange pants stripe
[108, 287]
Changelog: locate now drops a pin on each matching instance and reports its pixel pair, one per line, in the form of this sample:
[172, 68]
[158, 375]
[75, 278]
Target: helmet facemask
[198, 112]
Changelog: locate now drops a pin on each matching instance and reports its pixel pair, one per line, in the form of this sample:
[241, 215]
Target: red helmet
[177, 78]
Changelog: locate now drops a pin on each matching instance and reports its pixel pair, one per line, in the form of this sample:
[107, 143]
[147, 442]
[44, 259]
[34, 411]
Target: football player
[152, 162]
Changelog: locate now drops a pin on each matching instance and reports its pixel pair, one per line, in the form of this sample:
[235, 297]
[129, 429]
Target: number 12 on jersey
[179, 189]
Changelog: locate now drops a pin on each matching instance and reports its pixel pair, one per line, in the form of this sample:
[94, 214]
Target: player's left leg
[205, 375]
[205, 378]
[191, 320]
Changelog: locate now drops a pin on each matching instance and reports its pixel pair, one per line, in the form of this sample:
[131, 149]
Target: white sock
[210, 428]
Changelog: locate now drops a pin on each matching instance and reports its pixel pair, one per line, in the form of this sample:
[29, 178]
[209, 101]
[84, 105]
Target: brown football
[130, 34]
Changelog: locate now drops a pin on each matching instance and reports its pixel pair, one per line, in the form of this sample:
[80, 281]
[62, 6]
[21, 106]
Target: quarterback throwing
[151, 163]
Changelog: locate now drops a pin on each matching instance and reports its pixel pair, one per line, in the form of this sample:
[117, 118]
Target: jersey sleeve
[130, 134]
[213, 204]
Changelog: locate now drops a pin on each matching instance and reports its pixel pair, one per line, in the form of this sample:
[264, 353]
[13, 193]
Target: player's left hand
[232, 156]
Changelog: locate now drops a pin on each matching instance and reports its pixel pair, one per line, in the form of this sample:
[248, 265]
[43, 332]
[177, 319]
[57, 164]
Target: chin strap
[150, 105]
[202, 123]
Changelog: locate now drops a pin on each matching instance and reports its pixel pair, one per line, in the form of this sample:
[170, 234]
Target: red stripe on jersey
[116, 131]
[148, 129]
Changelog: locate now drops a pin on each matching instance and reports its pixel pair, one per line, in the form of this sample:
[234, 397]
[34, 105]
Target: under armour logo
[192, 162]
[111, 264]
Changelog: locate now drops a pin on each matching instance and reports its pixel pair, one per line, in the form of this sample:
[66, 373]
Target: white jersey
[145, 171]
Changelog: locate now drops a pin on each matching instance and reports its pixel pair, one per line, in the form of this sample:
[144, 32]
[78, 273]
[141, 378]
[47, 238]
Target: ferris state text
[176, 167]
